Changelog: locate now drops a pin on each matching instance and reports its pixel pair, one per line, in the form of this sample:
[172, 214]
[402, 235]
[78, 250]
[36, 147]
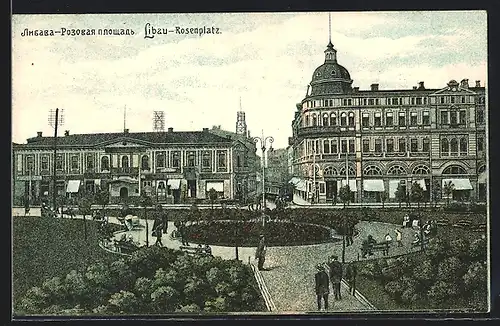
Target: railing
[306, 131]
[122, 170]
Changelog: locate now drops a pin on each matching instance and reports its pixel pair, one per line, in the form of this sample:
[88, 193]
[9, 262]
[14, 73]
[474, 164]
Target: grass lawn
[45, 247]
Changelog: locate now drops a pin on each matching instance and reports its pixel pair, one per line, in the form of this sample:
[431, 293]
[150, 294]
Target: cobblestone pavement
[290, 270]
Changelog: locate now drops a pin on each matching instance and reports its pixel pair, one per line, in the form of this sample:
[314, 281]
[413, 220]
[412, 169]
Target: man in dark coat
[162, 215]
[260, 253]
[335, 271]
[350, 275]
[322, 286]
[350, 234]
[183, 231]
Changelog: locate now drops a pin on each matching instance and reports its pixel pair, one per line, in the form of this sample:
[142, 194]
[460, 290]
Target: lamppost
[263, 142]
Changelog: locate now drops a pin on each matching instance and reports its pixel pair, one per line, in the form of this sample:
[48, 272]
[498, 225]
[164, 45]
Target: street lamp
[263, 142]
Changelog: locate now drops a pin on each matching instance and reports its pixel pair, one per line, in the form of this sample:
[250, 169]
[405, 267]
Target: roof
[146, 138]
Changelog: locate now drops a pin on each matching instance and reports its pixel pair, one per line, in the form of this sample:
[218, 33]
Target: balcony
[129, 170]
[315, 130]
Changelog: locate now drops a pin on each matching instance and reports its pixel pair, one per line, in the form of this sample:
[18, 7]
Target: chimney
[478, 83]
[39, 134]
[205, 129]
[125, 130]
[66, 132]
[356, 89]
[414, 87]
[421, 85]
[374, 87]
[170, 129]
[464, 83]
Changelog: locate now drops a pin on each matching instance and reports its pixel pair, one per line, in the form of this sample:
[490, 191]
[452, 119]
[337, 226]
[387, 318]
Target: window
[413, 118]
[344, 146]
[463, 99]
[191, 156]
[364, 101]
[389, 120]
[221, 159]
[365, 121]
[401, 119]
[395, 101]
[349, 101]
[372, 170]
[414, 145]
[176, 159]
[125, 161]
[205, 160]
[453, 117]
[333, 144]
[44, 163]
[425, 145]
[445, 147]
[377, 101]
[461, 117]
[425, 118]
[396, 170]
[343, 119]
[463, 146]
[74, 162]
[350, 171]
[378, 145]
[480, 116]
[325, 119]
[351, 118]
[344, 102]
[441, 99]
[105, 163]
[419, 101]
[145, 162]
[378, 120]
[351, 146]
[329, 171]
[452, 99]
[480, 144]
[30, 163]
[412, 101]
[333, 119]
[59, 162]
[454, 169]
[366, 145]
[326, 147]
[444, 117]
[421, 169]
[454, 145]
[425, 100]
[89, 161]
[370, 101]
[389, 143]
[160, 160]
[238, 160]
[402, 145]
[307, 121]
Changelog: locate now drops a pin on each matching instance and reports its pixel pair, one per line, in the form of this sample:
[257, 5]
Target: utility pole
[55, 121]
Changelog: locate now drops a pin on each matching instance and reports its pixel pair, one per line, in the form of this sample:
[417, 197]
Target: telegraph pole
[55, 121]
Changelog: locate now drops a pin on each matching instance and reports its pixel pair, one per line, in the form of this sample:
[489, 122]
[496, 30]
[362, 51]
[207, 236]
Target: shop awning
[294, 181]
[373, 185]
[218, 186]
[421, 182]
[459, 184]
[481, 178]
[352, 184]
[73, 186]
[393, 187]
[301, 186]
[174, 183]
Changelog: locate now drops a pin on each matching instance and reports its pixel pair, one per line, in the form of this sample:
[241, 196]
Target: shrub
[475, 279]
[450, 268]
[459, 248]
[425, 272]
[394, 289]
[442, 291]
[478, 250]
[371, 269]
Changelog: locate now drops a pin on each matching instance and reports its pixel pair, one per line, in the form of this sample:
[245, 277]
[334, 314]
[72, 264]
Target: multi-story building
[175, 166]
[378, 139]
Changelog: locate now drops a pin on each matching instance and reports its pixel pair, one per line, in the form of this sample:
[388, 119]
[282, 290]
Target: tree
[436, 190]
[345, 194]
[85, 208]
[448, 188]
[416, 193]
[102, 198]
[400, 194]
[383, 197]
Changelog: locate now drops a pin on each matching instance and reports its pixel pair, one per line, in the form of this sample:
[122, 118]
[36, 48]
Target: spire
[241, 125]
[330, 52]
[125, 118]
[329, 28]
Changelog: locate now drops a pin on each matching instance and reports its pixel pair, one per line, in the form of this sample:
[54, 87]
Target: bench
[379, 246]
[126, 247]
[194, 251]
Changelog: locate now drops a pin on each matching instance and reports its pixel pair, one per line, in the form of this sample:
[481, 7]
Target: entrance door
[192, 188]
[124, 193]
[331, 190]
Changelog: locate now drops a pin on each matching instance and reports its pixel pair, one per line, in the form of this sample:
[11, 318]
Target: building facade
[175, 167]
[377, 139]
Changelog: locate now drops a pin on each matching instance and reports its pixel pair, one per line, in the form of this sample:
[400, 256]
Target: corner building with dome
[376, 139]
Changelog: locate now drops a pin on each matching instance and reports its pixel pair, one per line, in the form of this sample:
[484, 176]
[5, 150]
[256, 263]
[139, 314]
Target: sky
[262, 60]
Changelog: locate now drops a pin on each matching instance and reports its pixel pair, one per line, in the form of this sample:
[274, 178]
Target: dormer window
[318, 74]
[333, 72]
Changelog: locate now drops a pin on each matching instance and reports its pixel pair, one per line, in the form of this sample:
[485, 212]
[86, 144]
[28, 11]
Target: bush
[459, 248]
[425, 273]
[478, 250]
[476, 278]
[450, 268]
[372, 270]
[442, 291]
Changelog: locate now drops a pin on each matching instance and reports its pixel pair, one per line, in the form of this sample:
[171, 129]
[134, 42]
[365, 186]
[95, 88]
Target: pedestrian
[26, 206]
[335, 271]
[322, 286]
[350, 275]
[416, 238]
[399, 237]
[158, 234]
[260, 253]
[162, 214]
[208, 250]
[183, 231]
[350, 234]
[406, 221]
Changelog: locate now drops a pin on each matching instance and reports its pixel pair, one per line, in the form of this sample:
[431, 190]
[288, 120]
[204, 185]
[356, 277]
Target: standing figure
[183, 231]
[399, 237]
[335, 269]
[350, 275]
[350, 234]
[322, 286]
[158, 233]
[406, 221]
[260, 253]
[26, 206]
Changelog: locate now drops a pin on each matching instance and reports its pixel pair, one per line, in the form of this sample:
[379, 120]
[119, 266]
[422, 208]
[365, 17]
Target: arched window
[326, 147]
[343, 119]
[145, 162]
[421, 169]
[454, 169]
[161, 185]
[351, 118]
[372, 170]
[350, 170]
[454, 145]
[330, 171]
[314, 120]
[445, 148]
[481, 169]
[325, 119]
[333, 119]
[307, 121]
[125, 161]
[104, 163]
[463, 145]
[396, 170]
